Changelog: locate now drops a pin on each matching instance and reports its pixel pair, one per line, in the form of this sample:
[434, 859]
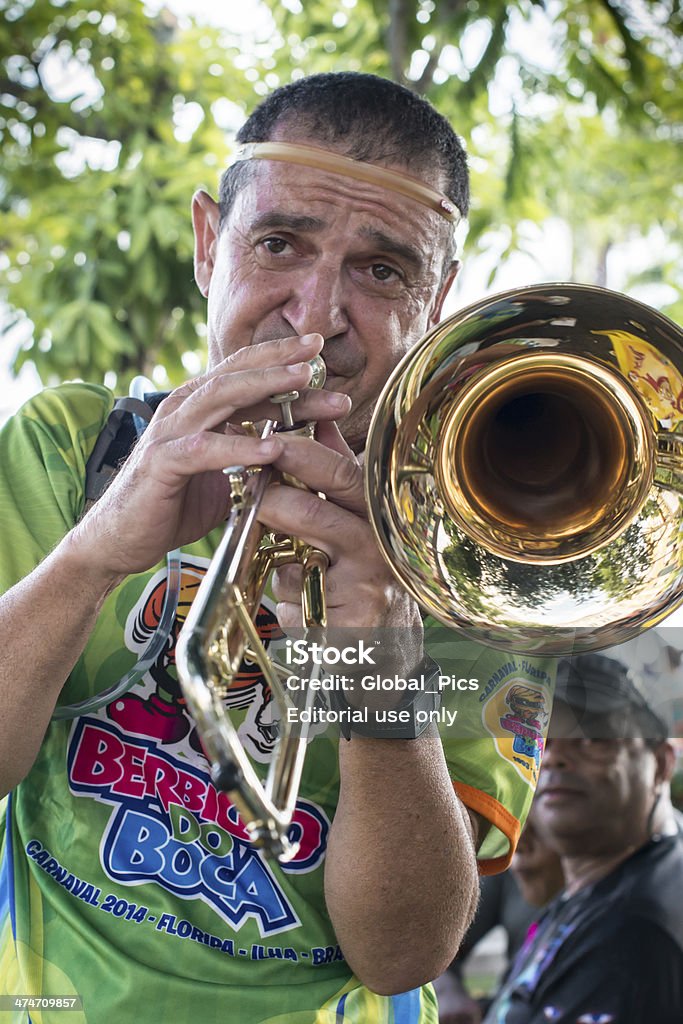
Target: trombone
[220, 630]
[539, 431]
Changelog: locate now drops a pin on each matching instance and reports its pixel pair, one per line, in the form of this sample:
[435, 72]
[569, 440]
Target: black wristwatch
[394, 724]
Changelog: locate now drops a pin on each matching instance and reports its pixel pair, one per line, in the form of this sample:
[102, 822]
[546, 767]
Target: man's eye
[382, 272]
[275, 245]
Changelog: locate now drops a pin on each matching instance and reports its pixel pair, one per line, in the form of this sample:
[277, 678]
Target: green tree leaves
[100, 160]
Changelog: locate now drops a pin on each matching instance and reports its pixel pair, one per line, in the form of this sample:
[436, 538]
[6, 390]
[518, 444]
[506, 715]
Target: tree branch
[397, 39]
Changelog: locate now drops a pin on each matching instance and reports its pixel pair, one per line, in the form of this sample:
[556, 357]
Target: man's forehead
[294, 188]
[394, 178]
[567, 723]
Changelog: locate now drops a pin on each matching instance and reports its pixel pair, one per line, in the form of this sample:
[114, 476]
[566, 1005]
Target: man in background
[610, 948]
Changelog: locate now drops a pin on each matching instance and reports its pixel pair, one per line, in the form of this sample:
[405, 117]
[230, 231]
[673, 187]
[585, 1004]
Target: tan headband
[325, 160]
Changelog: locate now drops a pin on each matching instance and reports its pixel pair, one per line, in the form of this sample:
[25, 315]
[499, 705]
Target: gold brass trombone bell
[524, 469]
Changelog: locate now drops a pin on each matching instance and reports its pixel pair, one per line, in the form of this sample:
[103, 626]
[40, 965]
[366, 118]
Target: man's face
[305, 251]
[594, 797]
[536, 866]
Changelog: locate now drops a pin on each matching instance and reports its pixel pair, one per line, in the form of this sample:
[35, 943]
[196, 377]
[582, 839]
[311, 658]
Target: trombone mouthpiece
[319, 372]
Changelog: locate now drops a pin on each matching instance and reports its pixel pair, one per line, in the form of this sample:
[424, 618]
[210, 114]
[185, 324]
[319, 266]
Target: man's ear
[665, 755]
[435, 315]
[205, 220]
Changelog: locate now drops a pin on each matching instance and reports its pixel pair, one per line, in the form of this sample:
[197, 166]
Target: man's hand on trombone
[362, 591]
[171, 490]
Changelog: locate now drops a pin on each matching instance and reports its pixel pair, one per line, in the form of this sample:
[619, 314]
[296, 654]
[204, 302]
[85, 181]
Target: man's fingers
[221, 395]
[261, 356]
[337, 476]
[250, 357]
[242, 386]
[286, 583]
[289, 615]
[323, 524]
[179, 458]
[312, 406]
[329, 435]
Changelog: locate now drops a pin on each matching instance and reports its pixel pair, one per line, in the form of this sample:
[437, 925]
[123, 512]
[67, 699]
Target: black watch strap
[404, 721]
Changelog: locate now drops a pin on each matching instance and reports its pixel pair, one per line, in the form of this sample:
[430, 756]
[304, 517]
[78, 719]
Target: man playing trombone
[130, 881]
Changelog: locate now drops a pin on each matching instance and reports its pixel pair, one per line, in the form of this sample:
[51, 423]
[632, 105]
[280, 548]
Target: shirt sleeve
[494, 719]
[44, 449]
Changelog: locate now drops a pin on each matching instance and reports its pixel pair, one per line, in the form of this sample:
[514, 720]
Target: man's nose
[317, 302]
[560, 752]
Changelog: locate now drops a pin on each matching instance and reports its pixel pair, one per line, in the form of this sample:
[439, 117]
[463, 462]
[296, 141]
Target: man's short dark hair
[371, 118]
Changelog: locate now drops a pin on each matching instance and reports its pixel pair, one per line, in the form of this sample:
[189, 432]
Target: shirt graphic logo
[155, 707]
[516, 715]
[171, 827]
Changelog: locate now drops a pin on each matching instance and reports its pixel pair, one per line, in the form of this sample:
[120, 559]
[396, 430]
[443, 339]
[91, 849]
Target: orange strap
[493, 811]
[326, 160]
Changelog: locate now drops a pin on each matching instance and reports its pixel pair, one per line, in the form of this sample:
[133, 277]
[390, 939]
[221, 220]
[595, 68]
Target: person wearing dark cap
[609, 949]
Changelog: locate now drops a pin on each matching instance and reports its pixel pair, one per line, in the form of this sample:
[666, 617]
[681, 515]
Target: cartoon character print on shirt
[159, 712]
[516, 712]
[526, 718]
[169, 826]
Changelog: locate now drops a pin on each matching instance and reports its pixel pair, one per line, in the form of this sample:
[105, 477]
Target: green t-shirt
[125, 878]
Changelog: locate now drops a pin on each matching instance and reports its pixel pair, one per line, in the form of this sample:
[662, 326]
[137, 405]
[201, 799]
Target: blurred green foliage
[109, 119]
[96, 181]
